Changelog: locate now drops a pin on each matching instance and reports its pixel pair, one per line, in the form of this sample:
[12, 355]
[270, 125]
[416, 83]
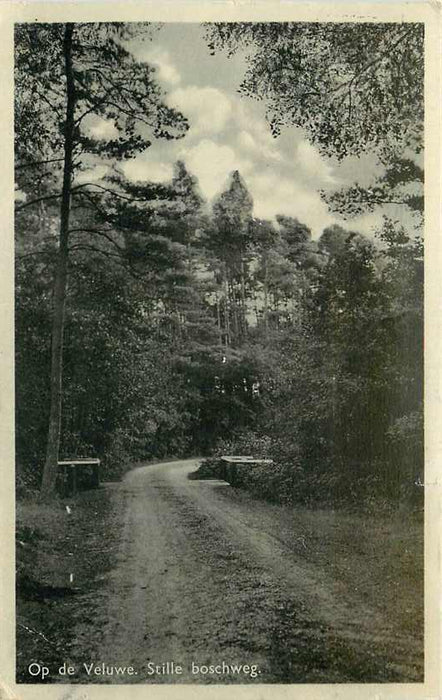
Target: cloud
[227, 133]
[207, 108]
[258, 148]
[274, 194]
[99, 128]
[250, 119]
[92, 174]
[366, 223]
[160, 58]
[212, 163]
[143, 170]
[307, 158]
[246, 141]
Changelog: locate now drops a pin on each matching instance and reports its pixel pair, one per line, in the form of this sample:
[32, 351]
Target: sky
[229, 132]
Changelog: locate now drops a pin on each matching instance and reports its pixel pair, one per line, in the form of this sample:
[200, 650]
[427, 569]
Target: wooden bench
[233, 467]
[73, 474]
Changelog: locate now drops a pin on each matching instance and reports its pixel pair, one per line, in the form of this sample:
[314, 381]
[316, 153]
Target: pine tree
[230, 242]
[65, 74]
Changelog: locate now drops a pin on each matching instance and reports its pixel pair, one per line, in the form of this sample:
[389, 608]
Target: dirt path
[201, 579]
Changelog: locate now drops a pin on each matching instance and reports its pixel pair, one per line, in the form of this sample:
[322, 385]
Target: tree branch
[385, 54]
[36, 252]
[116, 257]
[107, 189]
[99, 232]
[86, 246]
[36, 201]
[35, 163]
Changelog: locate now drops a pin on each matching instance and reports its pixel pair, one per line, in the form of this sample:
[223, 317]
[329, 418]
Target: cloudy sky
[229, 132]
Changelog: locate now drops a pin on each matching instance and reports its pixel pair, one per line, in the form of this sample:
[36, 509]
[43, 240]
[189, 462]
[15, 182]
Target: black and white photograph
[219, 234]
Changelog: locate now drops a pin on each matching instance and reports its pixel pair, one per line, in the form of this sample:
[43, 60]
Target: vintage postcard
[220, 385]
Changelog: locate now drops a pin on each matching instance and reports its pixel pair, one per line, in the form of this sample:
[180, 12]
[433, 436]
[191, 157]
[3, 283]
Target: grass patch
[64, 551]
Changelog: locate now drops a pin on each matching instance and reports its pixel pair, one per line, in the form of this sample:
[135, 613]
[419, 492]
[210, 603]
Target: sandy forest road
[200, 577]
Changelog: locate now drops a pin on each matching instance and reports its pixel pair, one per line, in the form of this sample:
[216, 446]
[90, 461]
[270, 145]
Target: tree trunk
[243, 303]
[233, 304]
[59, 297]
[226, 306]
[218, 320]
[266, 299]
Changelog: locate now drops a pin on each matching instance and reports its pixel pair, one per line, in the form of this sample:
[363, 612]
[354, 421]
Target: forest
[152, 323]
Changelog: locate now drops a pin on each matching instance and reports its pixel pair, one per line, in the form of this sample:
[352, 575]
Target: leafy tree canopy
[109, 85]
[351, 86]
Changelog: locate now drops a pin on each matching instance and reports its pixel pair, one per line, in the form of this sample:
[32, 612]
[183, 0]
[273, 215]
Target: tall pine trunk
[266, 299]
[218, 320]
[226, 305]
[59, 297]
[243, 302]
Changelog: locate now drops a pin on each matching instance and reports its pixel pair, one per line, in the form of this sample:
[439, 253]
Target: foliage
[351, 86]
[145, 307]
[189, 331]
[109, 84]
[65, 75]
